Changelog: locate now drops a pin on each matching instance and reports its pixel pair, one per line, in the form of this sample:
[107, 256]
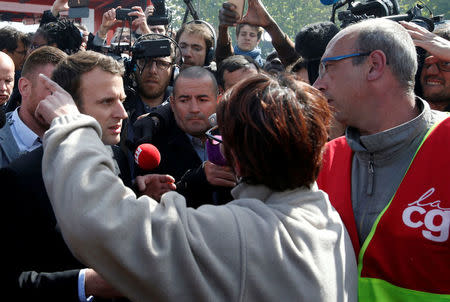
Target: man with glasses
[150, 88]
[388, 177]
[435, 73]
[14, 43]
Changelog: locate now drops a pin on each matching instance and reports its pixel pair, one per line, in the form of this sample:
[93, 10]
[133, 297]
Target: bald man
[6, 77]
[6, 83]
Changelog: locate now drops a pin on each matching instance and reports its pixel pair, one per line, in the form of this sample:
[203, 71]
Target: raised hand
[141, 20]
[59, 6]
[58, 103]
[257, 14]
[108, 21]
[435, 45]
[228, 15]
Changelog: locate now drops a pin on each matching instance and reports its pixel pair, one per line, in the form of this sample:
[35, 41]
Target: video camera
[160, 47]
[389, 9]
[161, 15]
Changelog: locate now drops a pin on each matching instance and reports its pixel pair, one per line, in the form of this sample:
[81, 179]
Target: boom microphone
[147, 156]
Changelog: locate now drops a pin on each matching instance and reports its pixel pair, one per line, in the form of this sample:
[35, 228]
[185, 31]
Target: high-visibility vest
[406, 256]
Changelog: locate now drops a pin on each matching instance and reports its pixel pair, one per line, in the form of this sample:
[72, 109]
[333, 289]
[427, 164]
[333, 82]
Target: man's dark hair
[9, 38]
[69, 71]
[311, 42]
[233, 63]
[274, 130]
[273, 63]
[63, 33]
[196, 72]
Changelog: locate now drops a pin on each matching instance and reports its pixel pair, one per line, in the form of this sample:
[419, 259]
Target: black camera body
[160, 15]
[388, 9]
[122, 14]
[146, 49]
[151, 49]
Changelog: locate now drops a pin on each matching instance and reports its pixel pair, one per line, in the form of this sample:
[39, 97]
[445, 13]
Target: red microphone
[147, 156]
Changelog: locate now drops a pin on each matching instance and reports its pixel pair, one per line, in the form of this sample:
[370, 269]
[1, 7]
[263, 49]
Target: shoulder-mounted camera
[389, 9]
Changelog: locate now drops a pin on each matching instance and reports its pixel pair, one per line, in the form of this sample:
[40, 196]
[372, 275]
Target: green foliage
[291, 15]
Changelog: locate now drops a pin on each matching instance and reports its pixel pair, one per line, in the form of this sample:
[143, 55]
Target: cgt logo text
[429, 214]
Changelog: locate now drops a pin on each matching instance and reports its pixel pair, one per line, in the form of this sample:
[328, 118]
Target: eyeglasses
[214, 137]
[160, 64]
[441, 65]
[323, 66]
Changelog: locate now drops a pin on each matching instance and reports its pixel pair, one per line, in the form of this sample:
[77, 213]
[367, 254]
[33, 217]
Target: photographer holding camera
[135, 16]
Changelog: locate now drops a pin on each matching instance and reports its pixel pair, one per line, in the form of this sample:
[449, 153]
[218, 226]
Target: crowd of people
[327, 182]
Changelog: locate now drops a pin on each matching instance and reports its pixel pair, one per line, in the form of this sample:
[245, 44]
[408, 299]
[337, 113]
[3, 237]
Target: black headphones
[210, 53]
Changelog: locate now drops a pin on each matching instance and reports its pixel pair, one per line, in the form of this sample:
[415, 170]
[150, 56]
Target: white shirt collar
[25, 138]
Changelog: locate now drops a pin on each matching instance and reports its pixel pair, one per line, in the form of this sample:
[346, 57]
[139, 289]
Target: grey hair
[395, 42]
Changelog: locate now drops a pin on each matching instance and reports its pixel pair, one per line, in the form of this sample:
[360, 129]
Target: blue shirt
[25, 138]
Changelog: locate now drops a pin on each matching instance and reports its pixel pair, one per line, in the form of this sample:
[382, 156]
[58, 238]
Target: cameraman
[150, 76]
[197, 42]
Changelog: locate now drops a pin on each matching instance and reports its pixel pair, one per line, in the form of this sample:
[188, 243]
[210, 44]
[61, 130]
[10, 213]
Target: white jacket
[263, 246]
